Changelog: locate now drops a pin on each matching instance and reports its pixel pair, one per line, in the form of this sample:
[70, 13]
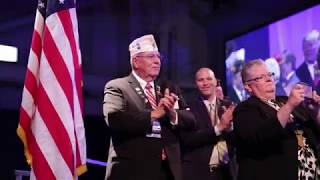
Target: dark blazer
[304, 74]
[197, 146]
[132, 155]
[280, 90]
[265, 150]
[233, 95]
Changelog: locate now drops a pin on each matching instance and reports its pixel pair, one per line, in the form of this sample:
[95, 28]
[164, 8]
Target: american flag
[51, 114]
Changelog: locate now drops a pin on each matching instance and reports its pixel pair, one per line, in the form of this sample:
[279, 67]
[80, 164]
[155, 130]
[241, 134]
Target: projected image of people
[276, 135]
[236, 90]
[290, 53]
[277, 124]
[288, 76]
[308, 71]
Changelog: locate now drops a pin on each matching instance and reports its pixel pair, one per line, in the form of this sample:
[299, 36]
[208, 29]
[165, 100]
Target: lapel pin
[138, 89]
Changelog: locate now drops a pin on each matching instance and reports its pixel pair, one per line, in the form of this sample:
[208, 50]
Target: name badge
[156, 130]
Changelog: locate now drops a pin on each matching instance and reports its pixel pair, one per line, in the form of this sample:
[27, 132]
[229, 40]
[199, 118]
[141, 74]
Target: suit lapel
[139, 95]
[307, 75]
[202, 108]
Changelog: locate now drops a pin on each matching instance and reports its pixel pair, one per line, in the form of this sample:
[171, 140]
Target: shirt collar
[142, 82]
[311, 69]
[239, 93]
[207, 102]
[290, 75]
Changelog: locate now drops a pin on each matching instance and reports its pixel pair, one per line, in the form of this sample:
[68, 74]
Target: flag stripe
[58, 100]
[36, 44]
[33, 64]
[24, 132]
[78, 74]
[80, 135]
[51, 114]
[31, 83]
[41, 164]
[62, 44]
[25, 121]
[55, 126]
[28, 105]
[68, 28]
[43, 169]
[57, 97]
[49, 149]
[66, 23]
[39, 23]
[58, 66]
[26, 111]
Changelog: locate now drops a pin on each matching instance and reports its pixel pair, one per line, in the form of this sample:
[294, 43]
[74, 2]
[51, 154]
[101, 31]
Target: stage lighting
[8, 53]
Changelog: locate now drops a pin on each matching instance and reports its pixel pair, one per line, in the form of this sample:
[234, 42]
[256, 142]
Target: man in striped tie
[143, 124]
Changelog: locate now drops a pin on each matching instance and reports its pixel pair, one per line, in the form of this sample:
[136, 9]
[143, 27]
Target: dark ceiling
[203, 10]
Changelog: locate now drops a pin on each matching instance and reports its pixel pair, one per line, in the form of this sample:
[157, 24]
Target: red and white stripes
[150, 96]
[51, 114]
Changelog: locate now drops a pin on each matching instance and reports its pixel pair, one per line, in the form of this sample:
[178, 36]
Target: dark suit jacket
[265, 150]
[197, 146]
[304, 74]
[132, 155]
[280, 90]
[233, 95]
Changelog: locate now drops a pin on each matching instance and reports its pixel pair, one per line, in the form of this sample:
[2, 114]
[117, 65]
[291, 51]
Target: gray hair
[312, 36]
[247, 67]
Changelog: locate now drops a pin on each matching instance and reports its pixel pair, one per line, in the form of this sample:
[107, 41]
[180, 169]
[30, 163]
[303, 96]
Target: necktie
[150, 96]
[152, 100]
[220, 151]
[212, 114]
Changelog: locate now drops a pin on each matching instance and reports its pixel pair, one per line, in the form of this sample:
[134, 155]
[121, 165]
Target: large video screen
[289, 47]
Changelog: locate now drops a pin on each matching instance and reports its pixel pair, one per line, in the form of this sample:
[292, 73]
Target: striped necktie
[212, 114]
[152, 100]
[150, 96]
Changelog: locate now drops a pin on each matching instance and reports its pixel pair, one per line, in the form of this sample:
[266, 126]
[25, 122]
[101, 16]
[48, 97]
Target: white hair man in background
[307, 71]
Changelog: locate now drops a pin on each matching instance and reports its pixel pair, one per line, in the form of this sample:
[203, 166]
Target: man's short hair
[246, 69]
[312, 36]
[289, 57]
[237, 66]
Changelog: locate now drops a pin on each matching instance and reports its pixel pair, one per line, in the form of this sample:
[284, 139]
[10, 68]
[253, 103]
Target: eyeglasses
[151, 56]
[263, 76]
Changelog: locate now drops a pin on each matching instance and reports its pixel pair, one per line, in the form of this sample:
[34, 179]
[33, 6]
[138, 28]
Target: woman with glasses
[277, 138]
